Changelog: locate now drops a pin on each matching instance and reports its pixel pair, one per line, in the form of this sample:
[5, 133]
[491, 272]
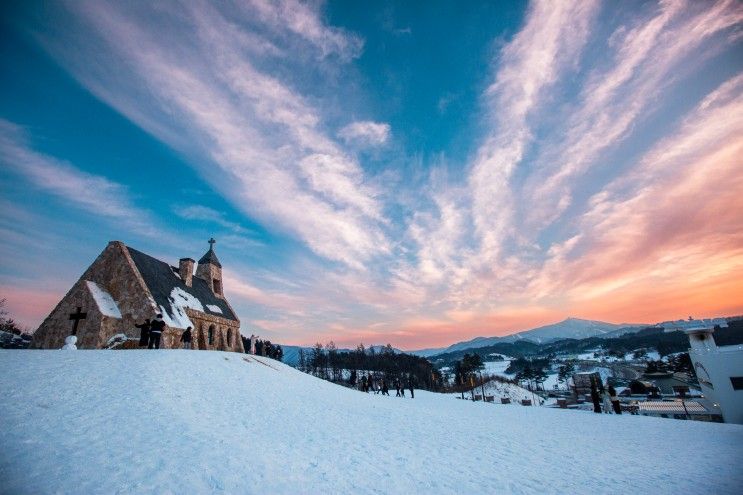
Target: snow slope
[172, 421]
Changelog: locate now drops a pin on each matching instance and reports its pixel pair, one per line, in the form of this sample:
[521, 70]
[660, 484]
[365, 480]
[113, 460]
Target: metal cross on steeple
[212, 242]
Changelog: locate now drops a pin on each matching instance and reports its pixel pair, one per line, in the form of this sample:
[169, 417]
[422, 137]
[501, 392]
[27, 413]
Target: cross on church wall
[77, 316]
[212, 242]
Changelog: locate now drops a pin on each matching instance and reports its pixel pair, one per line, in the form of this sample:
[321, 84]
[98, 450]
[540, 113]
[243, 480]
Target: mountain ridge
[571, 327]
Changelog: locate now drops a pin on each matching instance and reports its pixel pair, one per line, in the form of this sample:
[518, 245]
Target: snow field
[172, 421]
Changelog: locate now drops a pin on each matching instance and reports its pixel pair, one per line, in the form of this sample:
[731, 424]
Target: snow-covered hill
[171, 421]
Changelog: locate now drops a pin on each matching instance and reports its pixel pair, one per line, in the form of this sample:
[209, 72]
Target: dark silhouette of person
[397, 387]
[595, 398]
[410, 387]
[385, 388]
[156, 329]
[144, 333]
[186, 338]
[614, 400]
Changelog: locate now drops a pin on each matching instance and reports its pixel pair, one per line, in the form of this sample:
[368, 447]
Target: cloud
[365, 133]
[95, 194]
[548, 45]
[303, 20]
[212, 102]
[561, 208]
[671, 221]
[646, 59]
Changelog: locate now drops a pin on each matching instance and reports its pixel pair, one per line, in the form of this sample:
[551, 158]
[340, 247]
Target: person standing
[385, 388]
[397, 387]
[606, 402]
[410, 387]
[156, 330]
[186, 338]
[614, 400]
[252, 344]
[364, 384]
[595, 397]
[144, 333]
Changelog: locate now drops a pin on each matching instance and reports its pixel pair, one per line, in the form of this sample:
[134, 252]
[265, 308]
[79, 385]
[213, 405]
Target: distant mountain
[571, 328]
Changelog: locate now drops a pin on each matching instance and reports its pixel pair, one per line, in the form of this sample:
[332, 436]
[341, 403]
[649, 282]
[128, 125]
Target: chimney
[185, 270]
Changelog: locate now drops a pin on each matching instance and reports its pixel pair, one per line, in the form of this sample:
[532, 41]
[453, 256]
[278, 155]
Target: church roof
[210, 257]
[161, 280]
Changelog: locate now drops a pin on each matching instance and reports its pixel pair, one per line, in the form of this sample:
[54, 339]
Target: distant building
[124, 286]
[719, 369]
[582, 382]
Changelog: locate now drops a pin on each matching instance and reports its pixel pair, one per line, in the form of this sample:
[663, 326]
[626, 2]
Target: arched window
[211, 334]
[229, 337]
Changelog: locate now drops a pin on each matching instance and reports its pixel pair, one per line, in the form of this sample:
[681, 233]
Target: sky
[417, 173]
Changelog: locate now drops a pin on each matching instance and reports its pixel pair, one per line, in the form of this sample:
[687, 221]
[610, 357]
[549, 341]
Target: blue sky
[414, 173]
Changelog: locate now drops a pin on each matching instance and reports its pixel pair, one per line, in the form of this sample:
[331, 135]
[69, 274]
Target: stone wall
[222, 327]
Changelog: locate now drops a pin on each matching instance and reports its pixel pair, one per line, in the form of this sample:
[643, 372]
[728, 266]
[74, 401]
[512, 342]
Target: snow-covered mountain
[571, 328]
[174, 421]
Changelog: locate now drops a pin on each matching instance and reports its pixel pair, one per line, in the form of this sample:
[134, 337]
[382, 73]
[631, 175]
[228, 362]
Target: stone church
[124, 286]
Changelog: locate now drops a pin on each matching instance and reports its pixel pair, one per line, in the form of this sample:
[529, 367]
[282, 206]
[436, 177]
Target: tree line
[348, 367]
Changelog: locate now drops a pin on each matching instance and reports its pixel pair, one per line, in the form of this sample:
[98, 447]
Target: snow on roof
[161, 280]
[106, 304]
[671, 407]
[179, 301]
[214, 308]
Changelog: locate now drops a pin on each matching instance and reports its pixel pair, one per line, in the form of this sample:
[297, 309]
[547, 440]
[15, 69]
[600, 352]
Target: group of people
[151, 332]
[368, 383]
[605, 400]
[265, 348]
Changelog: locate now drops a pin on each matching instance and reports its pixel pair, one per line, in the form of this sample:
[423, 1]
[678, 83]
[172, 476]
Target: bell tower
[210, 269]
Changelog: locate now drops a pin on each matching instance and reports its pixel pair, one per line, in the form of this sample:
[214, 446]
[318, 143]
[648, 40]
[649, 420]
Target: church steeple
[210, 269]
[210, 256]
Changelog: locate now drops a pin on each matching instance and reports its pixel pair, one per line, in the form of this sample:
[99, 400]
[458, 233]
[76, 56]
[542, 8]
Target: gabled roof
[210, 257]
[162, 281]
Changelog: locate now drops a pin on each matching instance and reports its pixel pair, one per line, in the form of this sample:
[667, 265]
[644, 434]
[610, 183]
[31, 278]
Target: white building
[719, 369]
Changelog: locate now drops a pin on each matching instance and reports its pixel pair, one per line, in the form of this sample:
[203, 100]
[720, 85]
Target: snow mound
[179, 301]
[214, 308]
[106, 304]
[171, 421]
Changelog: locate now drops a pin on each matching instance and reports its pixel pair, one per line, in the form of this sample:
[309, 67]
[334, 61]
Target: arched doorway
[211, 335]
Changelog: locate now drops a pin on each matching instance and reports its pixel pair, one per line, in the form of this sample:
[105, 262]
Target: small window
[217, 286]
[211, 335]
[737, 382]
[229, 337]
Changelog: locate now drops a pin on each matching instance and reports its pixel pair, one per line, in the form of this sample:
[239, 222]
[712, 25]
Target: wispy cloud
[647, 58]
[365, 133]
[548, 45]
[672, 219]
[96, 195]
[304, 20]
[273, 160]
